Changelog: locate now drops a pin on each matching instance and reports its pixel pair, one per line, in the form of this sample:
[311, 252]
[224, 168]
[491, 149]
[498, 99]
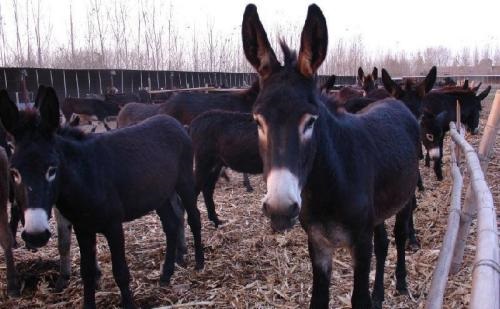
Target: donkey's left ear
[9, 114]
[426, 85]
[375, 73]
[313, 42]
[49, 110]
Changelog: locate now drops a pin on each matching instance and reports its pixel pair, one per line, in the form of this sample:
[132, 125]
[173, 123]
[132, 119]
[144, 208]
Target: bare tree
[3, 51]
[19, 52]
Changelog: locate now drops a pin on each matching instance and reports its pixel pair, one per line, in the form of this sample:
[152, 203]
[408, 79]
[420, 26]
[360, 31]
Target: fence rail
[76, 83]
[486, 269]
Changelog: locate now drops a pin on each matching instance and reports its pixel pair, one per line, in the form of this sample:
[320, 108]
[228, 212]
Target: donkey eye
[50, 175]
[430, 137]
[310, 123]
[16, 176]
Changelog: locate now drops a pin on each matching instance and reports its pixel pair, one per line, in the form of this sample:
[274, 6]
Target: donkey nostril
[294, 210]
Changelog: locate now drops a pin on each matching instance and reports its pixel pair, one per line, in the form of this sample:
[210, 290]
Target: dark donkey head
[285, 111]
[35, 162]
[368, 82]
[412, 94]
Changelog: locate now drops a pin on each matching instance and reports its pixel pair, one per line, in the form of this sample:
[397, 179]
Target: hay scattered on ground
[246, 264]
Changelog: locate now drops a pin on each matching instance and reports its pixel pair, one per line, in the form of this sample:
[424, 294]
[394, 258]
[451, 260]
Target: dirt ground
[247, 266]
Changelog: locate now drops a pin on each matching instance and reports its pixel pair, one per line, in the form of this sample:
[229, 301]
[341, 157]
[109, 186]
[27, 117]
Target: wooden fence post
[469, 209]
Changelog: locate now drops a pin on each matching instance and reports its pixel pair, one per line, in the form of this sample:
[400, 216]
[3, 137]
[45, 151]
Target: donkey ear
[375, 73]
[476, 88]
[361, 74]
[330, 82]
[256, 46]
[389, 85]
[465, 86]
[426, 85]
[9, 114]
[313, 42]
[484, 93]
[40, 95]
[441, 118]
[49, 110]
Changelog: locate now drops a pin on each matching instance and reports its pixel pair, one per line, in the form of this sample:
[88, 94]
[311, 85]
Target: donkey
[438, 110]
[187, 105]
[370, 85]
[84, 176]
[222, 139]
[92, 107]
[17, 195]
[342, 174]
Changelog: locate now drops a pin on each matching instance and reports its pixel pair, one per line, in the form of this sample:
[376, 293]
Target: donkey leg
[170, 223]
[186, 191]
[439, 162]
[86, 242]
[321, 259]
[246, 182]
[64, 246]
[420, 183]
[6, 241]
[208, 195]
[437, 169]
[400, 234]
[15, 217]
[178, 208]
[116, 242]
[413, 243]
[381, 245]
[427, 159]
[362, 251]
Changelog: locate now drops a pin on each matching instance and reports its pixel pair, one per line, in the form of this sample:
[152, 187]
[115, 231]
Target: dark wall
[80, 82]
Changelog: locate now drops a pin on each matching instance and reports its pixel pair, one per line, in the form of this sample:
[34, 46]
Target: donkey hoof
[13, 292]
[249, 189]
[376, 304]
[218, 222]
[61, 284]
[439, 177]
[199, 265]
[413, 246]
[402, 289]
[164, 280]
[181, 262]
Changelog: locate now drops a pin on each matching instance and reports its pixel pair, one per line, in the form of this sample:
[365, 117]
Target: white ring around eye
[50, 175]
[11, 146]
[16, 175]
[430, 137]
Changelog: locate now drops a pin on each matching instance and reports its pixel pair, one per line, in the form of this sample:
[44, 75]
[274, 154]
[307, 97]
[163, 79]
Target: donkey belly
[394, 194]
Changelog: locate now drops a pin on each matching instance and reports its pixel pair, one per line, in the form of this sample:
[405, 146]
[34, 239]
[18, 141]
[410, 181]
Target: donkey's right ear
[49, 110]
[9, 114]
[389, 85]
[40, 95]
[256, 46]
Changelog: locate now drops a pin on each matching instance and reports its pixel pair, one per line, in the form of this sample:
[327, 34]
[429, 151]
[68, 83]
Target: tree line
[150, 38]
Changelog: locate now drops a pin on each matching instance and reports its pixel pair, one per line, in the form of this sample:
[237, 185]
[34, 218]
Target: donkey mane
[72, 133]
[289, 55]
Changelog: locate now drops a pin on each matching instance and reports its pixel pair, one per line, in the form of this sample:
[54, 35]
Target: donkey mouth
[282, 223]
[35, 241]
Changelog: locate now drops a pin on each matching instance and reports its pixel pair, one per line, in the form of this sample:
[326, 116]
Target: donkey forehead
[286, 102]
[34, 156]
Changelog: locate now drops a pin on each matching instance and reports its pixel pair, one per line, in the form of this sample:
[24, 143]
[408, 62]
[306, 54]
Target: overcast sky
[383, 24]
